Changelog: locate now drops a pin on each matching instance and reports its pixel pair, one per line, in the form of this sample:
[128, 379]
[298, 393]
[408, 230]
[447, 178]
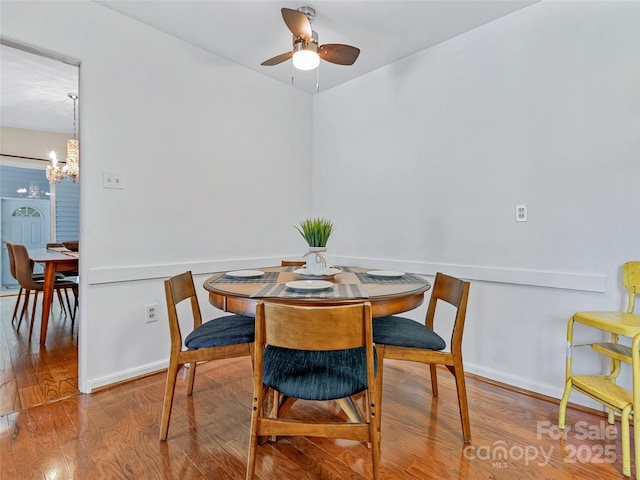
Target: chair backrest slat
[178, 289]
[448, 289]
[455, 292]
[315, 328]
[182, 287]
[292, 263]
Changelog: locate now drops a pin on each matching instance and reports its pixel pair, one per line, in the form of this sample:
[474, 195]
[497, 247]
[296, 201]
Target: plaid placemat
[268, 277]
[364, 278]
[339, 290]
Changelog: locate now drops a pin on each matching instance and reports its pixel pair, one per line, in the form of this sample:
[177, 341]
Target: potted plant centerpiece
[316, 232]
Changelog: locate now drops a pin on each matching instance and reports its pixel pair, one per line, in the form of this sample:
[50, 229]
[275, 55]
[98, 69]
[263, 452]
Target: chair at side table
[225, 337]
[404, 339]
[314, 353]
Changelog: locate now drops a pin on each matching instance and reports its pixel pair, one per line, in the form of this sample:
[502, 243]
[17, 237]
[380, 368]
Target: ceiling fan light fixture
[306, 60]
[305, 55]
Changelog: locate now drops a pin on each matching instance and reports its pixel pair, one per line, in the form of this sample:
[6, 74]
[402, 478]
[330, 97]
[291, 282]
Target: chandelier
[71, 169]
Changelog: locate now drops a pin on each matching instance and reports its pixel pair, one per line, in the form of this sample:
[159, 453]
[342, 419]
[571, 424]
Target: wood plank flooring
[30, 374]
[113, 434]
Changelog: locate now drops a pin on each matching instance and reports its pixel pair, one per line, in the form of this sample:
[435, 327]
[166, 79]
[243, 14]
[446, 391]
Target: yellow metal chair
[602, 388]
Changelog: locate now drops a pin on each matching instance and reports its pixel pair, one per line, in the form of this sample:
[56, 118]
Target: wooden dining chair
[12, 269]
[26, 279]
[224, 337]
[405, 339]
[313, 353]
[36, 277]
[292, 263]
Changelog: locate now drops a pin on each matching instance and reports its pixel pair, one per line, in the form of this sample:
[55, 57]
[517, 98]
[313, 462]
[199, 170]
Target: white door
[26, 221]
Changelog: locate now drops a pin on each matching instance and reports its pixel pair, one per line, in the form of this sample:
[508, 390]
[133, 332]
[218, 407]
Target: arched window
[27, 212]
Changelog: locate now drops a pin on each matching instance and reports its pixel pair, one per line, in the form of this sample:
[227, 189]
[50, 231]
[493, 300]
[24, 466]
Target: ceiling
[34, 89]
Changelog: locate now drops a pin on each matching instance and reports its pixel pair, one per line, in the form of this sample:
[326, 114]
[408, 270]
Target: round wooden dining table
[389, 293]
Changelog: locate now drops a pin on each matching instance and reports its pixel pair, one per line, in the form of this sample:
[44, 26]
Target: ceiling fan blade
[277, 59]
[338, 53]
[297, 22]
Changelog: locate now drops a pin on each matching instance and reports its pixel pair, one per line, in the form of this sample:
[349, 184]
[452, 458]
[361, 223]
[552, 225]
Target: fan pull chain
[317, 79]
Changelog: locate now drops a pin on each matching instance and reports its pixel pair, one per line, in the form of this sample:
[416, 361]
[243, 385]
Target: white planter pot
[316, 260]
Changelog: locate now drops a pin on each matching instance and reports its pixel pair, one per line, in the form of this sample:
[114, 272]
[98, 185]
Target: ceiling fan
[306, 52]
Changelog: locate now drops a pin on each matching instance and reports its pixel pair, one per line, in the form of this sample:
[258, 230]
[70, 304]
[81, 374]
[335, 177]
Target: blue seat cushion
[228, 330]
[405, 332]
[315, 375]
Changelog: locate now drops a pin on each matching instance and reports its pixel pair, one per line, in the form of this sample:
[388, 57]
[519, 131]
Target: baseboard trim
[125, 376]
[515, 380]
[128, 380]
[108, 382]
[536, 395]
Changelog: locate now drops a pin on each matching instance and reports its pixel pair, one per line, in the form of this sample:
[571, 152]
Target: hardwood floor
[31, 375]
[113, 433]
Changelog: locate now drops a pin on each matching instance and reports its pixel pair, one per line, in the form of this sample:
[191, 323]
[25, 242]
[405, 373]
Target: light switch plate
[112, 179]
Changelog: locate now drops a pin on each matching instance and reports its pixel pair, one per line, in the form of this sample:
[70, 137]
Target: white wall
[204, 147]
[420, 164]
[33, 143]
[428, 157]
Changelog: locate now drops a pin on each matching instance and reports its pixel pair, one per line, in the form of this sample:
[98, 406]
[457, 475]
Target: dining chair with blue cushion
[224, 337]
[401, 338]
[316, 353]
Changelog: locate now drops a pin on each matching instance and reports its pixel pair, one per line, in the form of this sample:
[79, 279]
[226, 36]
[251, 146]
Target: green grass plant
[316, 231]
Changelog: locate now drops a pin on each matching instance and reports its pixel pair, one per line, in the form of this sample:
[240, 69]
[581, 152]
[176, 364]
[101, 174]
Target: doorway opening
[37, 118]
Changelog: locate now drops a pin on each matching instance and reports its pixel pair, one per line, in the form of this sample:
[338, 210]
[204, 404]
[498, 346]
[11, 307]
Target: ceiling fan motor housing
[311, 44]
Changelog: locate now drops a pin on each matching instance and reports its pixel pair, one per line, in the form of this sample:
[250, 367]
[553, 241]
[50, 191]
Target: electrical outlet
[151, 313]
[521, 213]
